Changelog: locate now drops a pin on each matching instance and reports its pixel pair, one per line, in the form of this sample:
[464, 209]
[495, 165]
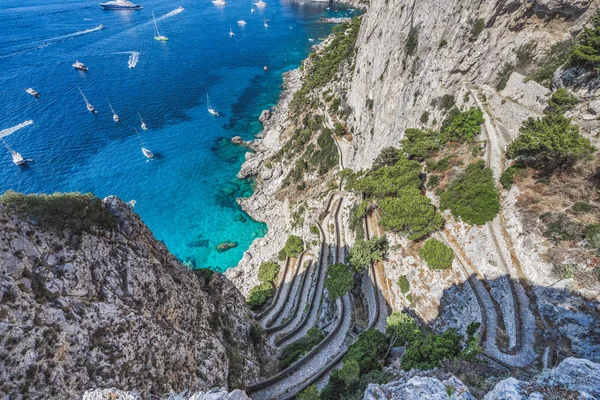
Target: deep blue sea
[186, 195]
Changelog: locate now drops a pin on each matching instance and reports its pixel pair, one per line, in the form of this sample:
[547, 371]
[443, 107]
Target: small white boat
[115, 116]
[144, 127]
[241, 22]
[260, 3]
[80, 66]
[133, 59]
[265, 23]
[231, 34]
[219, 2]
[311, 40]
[32, 92]
[157, 35]
[89, 107]
[17, 158]
[210, 109]
[147, 153]
[252, 10]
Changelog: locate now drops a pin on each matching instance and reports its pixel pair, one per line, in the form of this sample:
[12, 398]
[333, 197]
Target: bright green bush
[259, 294]
[429, 351]
[586, 52]
[404, 284]
[293, 246]
[436, 254]
[340, 280]
[550, 142]
[402, 328]
[463, 126]
[59, 210]
[411, 214]
[366, 252]
[314, 230]
[421, 144]
[296, 350]
[268, 272]
[310, 393]
[389, 181]
[472, 196]
[507, 179]
[561, 101]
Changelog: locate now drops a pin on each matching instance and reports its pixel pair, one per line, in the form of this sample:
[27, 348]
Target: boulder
[265, 116]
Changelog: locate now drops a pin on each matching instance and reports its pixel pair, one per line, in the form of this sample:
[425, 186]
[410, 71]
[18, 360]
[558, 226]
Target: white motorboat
[210, 109]
[32, 92]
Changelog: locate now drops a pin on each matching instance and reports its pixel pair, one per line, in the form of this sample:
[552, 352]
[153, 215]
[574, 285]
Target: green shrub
[59, 210]
[504, 76]
[433, 181]
[259, 294]
[420, 144]
[387, 157]
[438, 166]
[340, 280]
[446, 102]
[582, 207]
[436, 254]
[412, 41]
[424, 117]
[472, 195]
[314, 230]
[545, 68]
[560, 227]
[561, 101]
[268, 271]
[402, 328]
[404, 284]
[310, 393]
[525, 54]
[257, 334]
[428, 352]
[476, 26]
[296, 350]
[368, 350]
[366, 252]
[411, 214]
[586, 52]
[592, 236]
[463, 126]
[443, 43]
[472, 348]
[550, 142]
[294, 245]
[507, 179]
[326, 156]
[390, 180]
[350, 372]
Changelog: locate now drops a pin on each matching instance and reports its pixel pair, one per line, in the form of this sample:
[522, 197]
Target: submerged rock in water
[226, 245]
[240, 218]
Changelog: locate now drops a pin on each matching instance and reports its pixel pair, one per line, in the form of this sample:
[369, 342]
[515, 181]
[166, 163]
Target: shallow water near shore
[186, 194]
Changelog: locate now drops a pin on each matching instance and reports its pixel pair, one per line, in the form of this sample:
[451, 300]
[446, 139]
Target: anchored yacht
[120, 5]
[80, 66]
[32, 92]
[260, 3]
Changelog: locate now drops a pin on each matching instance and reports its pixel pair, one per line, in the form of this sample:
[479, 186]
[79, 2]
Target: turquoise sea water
[186, 195]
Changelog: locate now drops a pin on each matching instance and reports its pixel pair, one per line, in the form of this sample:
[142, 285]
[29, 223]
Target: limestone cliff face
[99, 307]
[458, 43]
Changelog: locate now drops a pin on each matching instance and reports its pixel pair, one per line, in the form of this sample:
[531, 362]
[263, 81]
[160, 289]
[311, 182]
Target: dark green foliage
[443, 43]
[59, 210]
[410, 213]
[433, 181]
[268, 271]
[582, 207]
[205, 273]
[429, 351]
[296, 350]
[544, 71]
[314, 230]
[550, 142]
[446, 102]
[472, 348]
[472, 195]
[310, 393]
[260, 294]
[421, 144]
[357, 218]
[476, 26]
[424, 117]
[366, 252]
[293, 246]
[525, 55]
[507, 179]
[404, 284]
[412, 41]
[439, 166]
[368, 350]
[561, 101]
[257, 334]
[463, 126]
[340, 280]
[504, 76]
[586, 52]
[560, 227]
[350, 372]
[387, 157]
[388, 181]
[436, 254]
[402, 328]
[592, 236]
[326, 157]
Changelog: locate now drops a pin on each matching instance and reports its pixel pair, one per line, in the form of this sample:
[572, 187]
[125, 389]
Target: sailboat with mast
[90, 107]
[157, 35]
[147, 153]
[210, 109]
[115, 116]
[144, 127]
[17, 158]
[231, 32]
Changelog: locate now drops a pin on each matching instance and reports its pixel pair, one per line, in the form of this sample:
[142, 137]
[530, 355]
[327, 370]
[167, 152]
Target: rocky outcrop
[110, 307]
[573, 378]
[213, 394]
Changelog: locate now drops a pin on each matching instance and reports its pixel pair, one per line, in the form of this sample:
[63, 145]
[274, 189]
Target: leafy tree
[429, 351]
[410, 213]
[389, 181]
[350, 372]
[268, 271]
[402, 328]
[296, 350]
[507, 179]
[473, 195]
[340, 280]
[387, 157]
[366, 252]
[310, 393]
[259, 294]
[404, 284]
[561, 101]
[472, 347]
[550, 142]
[586, 52]
[420, 144]
[293, 246]
[436, 254]
[368, 350]
[463, 126]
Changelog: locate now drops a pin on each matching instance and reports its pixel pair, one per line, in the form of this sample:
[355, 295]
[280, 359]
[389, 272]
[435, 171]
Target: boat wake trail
[40, 44]
[171, 13]
[10, 131]
[134, 57]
